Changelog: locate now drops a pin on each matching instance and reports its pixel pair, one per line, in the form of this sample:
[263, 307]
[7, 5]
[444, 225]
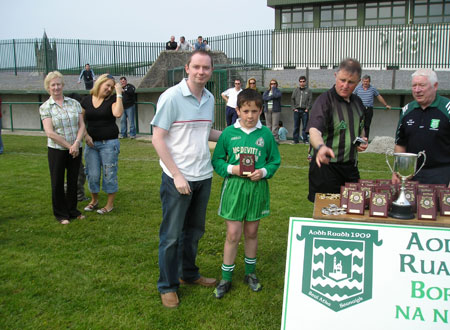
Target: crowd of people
[183, 45]
[246, 154]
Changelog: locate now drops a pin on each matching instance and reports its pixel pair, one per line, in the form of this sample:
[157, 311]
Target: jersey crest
[260, 142]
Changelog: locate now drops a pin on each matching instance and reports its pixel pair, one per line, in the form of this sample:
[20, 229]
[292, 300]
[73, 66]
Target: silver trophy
[405, 168]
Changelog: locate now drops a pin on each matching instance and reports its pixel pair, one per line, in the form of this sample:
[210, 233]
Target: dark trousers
[89, 85]
[64, 204]
[368, 114]
[329, 178]
[231, 115]
[300, 116]
[434, 175]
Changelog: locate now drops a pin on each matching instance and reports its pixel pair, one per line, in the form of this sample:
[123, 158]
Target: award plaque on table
[344, 195]
[384, 181]
[367, 193]
[410, 195]
[379, 205]
[356, 204]
[366, 181]
[246, 164]
[426, 207]
[444, 200]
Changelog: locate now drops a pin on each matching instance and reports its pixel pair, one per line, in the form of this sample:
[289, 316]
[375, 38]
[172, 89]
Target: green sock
[250, 265]
[227, 272]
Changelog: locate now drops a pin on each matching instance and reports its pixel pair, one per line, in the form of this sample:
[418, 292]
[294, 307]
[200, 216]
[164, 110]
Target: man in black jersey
[336, 120]
[424, 125]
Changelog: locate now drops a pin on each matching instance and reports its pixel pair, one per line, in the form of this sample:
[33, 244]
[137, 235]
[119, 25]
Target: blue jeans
[182, 227]
[300, 116]
[103, 157]
[128, 113]
[1, 141]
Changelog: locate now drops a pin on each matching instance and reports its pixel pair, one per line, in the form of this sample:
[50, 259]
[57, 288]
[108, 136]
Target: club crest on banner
[338, 265]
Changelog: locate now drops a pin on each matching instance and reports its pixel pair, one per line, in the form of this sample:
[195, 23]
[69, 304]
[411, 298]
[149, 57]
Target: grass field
[101, 272]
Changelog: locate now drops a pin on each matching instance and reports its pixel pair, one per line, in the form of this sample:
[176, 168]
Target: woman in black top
[101, 154]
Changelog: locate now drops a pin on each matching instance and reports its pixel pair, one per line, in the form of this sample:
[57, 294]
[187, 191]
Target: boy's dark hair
[249, 95]
[302, 78]
[280, 123]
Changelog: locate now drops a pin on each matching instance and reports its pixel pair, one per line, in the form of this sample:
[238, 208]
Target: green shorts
[243, 199]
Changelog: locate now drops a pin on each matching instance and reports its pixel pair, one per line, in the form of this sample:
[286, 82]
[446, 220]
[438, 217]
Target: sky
[132, 20]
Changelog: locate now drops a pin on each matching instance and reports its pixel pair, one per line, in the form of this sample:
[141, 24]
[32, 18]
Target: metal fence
[399, 46]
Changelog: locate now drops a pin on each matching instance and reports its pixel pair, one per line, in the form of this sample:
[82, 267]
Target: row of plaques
[377, 196]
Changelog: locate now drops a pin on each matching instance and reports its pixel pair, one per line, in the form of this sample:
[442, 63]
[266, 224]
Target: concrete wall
[384, 122]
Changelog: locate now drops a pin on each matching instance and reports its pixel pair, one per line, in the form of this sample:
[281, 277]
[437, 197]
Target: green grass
[101, 273]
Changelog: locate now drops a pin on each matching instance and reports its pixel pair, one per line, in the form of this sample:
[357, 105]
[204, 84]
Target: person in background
[101, 156]
[251, 83]
[272, 107]
[301, 104]
[171, 44]
[367, 92]
[64, 126]
[199, 45]
[230, 97]
[88, 77]
[129, 105]
[424, 125]
[184, 45]
[207, 46]
[282, 132]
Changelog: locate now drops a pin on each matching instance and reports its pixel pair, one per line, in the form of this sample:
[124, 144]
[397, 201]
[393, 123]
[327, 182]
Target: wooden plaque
[246, 164]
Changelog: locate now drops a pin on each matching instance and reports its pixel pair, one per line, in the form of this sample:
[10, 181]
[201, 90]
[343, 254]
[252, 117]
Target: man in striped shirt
[336, 120]
[367, 92]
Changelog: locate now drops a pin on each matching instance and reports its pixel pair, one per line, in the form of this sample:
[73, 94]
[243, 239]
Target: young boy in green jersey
[244, 199]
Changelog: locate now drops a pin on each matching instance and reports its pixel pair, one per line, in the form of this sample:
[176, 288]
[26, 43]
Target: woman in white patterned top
[64, 125]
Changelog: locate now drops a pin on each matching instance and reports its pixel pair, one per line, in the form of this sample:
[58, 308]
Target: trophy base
[401, 212]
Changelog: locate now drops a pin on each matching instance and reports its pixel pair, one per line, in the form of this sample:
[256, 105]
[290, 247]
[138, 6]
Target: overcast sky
[132, 20]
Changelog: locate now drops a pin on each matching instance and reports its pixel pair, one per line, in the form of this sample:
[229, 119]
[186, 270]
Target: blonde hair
[102, 79]
[248, 83]
[50, 76]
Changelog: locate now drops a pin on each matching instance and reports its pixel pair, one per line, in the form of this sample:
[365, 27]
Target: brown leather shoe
[170, 299]
[203, 281]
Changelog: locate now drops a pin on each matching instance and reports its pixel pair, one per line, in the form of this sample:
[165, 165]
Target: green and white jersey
[259, 142]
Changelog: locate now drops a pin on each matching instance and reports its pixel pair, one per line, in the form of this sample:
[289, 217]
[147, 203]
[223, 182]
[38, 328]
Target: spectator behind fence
[282, 131]
[336, 120]
[301, 104]
[272, 107]
[207, 46]
[129, 105]
[199, 45]
[367, 92]
[171, 44]
[184, 45]
[63, 123]
[101, 109]
[424, 125]
[251, 83]
[230, 97]
[88, 76]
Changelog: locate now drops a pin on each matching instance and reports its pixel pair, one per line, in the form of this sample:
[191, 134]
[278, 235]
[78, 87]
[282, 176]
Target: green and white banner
[348, 275]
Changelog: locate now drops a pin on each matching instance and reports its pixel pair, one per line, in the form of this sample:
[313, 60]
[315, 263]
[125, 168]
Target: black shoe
[223, 287]
[253, 282]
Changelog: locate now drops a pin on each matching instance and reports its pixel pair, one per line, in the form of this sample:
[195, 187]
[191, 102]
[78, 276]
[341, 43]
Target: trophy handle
[421, 153]
[389, 153]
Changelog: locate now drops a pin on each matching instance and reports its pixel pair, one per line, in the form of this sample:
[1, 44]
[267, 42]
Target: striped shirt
[64, 119]
[366, 95]
[188, 123]
[340, 122]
